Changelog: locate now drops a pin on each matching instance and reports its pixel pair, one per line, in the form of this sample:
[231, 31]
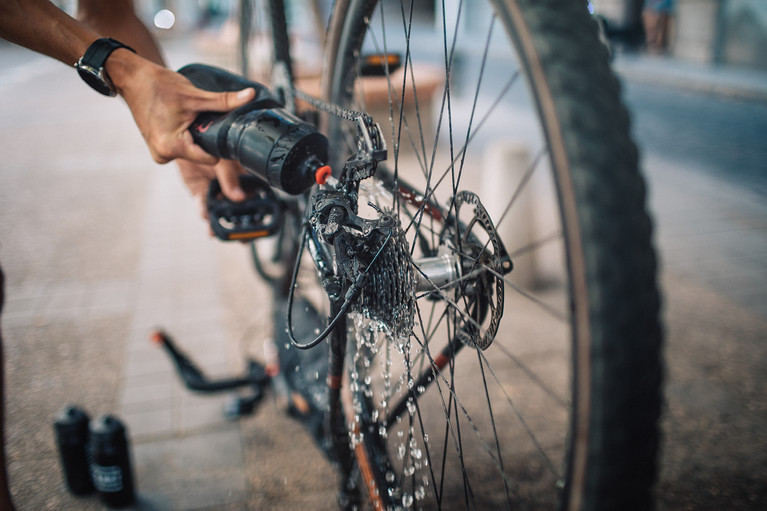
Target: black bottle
[71, 428]
[266, 139]
[111, 465]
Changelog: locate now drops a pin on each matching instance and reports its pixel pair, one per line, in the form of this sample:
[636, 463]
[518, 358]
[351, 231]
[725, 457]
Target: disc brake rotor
[478, 307]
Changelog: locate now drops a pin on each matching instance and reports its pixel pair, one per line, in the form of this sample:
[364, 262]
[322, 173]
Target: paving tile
[156, 394]
[201, 412]
[148, 423]
[193, 472]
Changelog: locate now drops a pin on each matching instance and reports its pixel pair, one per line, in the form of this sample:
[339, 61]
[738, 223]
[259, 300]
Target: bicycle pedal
[258, 216]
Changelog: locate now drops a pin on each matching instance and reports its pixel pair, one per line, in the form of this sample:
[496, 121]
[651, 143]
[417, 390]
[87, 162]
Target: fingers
[165, 103]
[188, 150]
[228, 173]
[181, 146]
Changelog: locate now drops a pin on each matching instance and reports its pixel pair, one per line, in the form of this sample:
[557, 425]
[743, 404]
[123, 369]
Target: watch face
[94, 78]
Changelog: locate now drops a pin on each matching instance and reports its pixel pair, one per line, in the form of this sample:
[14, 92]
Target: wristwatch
[91, 65]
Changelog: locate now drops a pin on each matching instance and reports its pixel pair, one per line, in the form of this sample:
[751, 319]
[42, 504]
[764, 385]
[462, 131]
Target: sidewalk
[728, 81]
[98, 249]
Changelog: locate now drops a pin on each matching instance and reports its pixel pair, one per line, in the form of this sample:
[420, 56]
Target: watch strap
[98, 52]
[91, 65]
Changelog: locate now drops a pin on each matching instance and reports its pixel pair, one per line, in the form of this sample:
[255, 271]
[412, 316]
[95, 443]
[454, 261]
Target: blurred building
[730, 32]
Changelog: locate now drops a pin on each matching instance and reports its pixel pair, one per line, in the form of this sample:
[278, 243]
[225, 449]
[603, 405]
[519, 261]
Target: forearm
[42, 27]
[117, 19]
[163, 103]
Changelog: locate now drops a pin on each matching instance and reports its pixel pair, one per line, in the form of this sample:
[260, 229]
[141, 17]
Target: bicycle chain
[331, 108]
[371, 146]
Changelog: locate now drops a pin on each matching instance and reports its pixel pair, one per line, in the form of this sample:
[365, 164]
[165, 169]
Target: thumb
[226, 101]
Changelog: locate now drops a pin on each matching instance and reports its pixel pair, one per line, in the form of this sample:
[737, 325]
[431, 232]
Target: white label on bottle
[107, 479]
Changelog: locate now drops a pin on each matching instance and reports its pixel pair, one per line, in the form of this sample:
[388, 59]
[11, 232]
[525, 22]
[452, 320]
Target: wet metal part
[484, 266]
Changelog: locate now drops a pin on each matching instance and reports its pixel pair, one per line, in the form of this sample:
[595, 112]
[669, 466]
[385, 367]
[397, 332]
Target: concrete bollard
[533, 218]
[504, 166]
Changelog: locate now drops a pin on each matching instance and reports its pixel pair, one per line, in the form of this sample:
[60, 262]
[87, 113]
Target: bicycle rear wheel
[532, 387]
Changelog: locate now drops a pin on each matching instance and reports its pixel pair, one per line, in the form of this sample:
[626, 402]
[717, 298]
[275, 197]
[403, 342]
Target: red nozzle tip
[157, 337]
[322, 174]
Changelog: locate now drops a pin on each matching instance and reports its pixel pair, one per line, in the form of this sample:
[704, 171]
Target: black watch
[91, 65]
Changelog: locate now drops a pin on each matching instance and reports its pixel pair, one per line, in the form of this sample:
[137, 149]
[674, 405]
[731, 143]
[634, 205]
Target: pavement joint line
[164, 296]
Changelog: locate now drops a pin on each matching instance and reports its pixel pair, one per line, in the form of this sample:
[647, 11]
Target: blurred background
[99, 244]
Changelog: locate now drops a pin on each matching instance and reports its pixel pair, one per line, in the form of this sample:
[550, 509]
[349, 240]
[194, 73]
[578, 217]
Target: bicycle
[471, 362]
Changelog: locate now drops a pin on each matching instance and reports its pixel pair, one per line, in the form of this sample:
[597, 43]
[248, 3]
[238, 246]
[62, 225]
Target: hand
[164, 104]
[197, 179]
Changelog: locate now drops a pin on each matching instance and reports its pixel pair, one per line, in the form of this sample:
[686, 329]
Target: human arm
[163, 103]
[118, 19]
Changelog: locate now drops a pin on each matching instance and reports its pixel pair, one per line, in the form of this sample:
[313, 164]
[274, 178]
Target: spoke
[408, 25]
[449, 56]
[468, 494]
[450, 302]
[452, 283]
[555, 313]
[459, 405]
[533, 376]
[522, 420]
[399, 104]
[546, 307]
[429, 192]
[535, 245]
[474, 104]
[480, 360]
[522, 184]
